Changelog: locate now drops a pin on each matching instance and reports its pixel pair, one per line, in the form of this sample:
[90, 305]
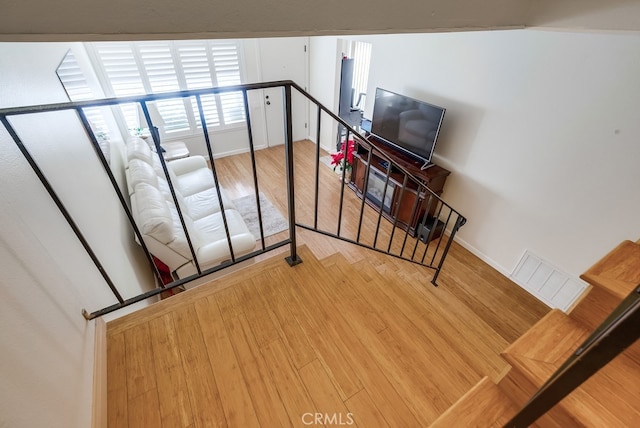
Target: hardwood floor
[348, 337]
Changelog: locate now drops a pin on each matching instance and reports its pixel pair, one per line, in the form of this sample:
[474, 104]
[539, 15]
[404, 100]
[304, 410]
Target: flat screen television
[407, 124]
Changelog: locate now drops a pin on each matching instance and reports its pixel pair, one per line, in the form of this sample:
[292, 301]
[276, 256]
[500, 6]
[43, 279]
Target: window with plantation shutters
[75, 84]
[135, 68]
[195, 60]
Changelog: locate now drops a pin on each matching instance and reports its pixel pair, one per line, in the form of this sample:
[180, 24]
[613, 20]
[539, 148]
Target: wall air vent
[552, 286]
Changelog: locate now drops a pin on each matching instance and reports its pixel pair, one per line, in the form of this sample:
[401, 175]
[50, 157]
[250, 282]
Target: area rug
[272, 221]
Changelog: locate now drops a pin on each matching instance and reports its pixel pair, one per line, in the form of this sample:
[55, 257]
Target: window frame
[195, 127]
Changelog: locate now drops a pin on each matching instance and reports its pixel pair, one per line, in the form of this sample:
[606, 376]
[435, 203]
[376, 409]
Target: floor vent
[552, 286]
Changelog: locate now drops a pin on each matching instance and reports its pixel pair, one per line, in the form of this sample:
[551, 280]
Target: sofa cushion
[211, 231]
[205, 203]
[211, 228]
[210, 240]
[137, 148]
[192, 163]
[140, 172]
[152, 213]
[194, 182]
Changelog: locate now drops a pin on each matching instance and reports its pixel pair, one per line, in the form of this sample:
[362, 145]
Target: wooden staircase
[348, 332]
[608, 399]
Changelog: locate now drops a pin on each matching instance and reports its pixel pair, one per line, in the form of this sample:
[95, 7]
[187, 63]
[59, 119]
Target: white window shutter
[123, 77]
[75, 84]
[73, 80]
[160, 72]
[120, 67]
[226, 63]
[195, 61]
[136, 68]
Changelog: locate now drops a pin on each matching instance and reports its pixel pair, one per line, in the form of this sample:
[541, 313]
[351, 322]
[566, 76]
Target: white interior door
[274, 115]
[285, 59]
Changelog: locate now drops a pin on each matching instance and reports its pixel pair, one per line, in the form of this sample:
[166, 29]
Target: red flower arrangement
[338, 160]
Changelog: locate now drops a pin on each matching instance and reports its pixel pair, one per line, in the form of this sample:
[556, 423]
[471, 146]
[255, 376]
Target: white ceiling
[79, 20]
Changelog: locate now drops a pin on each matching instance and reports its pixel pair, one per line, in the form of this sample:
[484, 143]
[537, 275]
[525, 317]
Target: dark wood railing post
[293, 259]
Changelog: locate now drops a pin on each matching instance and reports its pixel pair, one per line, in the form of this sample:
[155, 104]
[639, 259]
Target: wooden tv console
[433, 177]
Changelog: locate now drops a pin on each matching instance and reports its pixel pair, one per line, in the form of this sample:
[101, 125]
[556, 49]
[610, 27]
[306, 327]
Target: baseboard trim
[99, 402]
[482, 256]
[493, 264]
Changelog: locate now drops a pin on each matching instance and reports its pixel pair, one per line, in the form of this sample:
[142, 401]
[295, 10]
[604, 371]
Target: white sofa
[154, 211]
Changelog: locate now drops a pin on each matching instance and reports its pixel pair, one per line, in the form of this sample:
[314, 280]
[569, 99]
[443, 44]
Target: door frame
[304, 85]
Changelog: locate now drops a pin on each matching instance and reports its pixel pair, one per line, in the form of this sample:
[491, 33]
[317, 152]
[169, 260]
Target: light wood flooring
[349, 337]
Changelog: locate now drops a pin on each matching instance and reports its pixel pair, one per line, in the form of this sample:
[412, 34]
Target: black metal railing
[428, 207]
[618, 331]
[431, 220]
[78, 108]
[405, 239]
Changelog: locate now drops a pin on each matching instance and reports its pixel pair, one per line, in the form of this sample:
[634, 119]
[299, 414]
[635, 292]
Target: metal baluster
[367, 170]
[214, 172]
[444, 226]
[293, 259]
[345, 151]
[156, 141]
[317, 188]
[114, 183]
[61, 207]
[459, 222]
[396, 216]
[254, 169]
[384, 193]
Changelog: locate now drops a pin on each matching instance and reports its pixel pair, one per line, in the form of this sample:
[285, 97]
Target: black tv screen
[406, 123]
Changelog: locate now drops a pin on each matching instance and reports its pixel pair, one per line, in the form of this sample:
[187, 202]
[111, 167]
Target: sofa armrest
[218, 251]
[185, 165]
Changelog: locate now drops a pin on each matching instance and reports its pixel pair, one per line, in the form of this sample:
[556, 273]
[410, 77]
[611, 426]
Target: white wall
[324, 85]
[541, 135]
[46, 363]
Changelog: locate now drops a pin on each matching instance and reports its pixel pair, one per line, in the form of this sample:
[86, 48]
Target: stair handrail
[141, 100]
[433, 199]
[292, 259]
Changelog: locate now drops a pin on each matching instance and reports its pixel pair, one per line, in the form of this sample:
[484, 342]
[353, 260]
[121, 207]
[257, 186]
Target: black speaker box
[423, 230]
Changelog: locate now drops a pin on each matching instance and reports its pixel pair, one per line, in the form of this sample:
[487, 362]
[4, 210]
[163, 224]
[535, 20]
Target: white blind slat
[135, 68]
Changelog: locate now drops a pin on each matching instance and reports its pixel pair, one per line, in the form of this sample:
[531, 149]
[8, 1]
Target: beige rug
[272, 221]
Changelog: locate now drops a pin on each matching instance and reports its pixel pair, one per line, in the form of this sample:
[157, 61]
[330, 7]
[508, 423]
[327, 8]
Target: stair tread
[606, 399]
[484, 405]
[193, 294]
[463, 324]
[618, 271]
[552, 339]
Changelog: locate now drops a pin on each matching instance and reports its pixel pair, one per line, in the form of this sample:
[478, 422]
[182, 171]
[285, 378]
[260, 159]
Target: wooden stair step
[612, 278]
[552, 339]
[618, 272]
[606, 399]
[484, 405]
[189, 296]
